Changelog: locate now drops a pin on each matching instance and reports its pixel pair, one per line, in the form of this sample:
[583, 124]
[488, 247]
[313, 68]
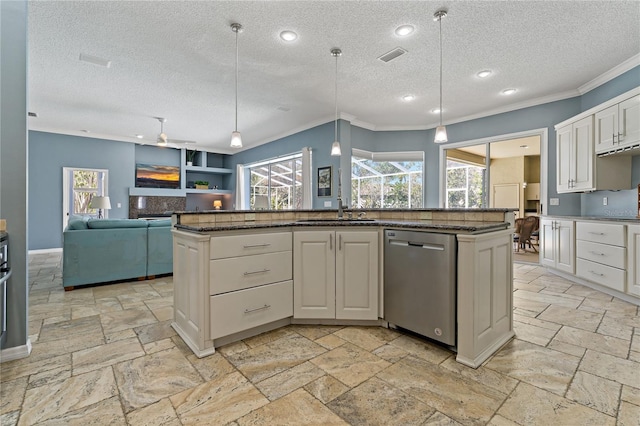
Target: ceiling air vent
[389, 56]
[32, 114]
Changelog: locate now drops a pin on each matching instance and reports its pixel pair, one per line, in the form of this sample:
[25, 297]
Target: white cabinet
[577, 167]
[633, 256]
[575, 156]
[618, 126]
[557, 244]
[335, 274]
[532, 192]
[601, 253]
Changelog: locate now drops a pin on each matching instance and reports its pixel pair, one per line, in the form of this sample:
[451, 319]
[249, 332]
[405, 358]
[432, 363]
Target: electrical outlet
[119, 205]
[554, 201]
[327, 203]
[605, 201]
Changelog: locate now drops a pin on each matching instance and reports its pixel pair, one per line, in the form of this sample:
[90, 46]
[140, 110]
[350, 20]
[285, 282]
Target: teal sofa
[105, 250]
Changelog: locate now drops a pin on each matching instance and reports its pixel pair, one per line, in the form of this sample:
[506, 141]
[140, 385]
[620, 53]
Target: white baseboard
[44, 251]
[16, 352]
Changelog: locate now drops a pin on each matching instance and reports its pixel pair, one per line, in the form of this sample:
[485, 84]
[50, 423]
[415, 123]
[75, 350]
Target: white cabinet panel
[557, 247]
[602, 274]
[237, 273]
[606, 129]
[633, 253]
[246, 245]
[603, 233]
[314, 274]
[629, 121]
[245, 309]
[601, 253]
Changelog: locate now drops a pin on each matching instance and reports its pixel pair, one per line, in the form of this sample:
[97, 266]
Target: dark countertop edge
[597, 218]
[3, 235]
[468, 229]
[349, 209]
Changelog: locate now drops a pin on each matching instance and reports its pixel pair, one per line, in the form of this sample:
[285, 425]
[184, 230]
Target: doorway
[78, 187]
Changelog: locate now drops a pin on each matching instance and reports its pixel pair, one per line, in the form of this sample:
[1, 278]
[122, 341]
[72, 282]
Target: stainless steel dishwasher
[420, 283]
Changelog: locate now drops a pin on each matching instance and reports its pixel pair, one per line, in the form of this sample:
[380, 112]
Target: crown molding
[614, 72]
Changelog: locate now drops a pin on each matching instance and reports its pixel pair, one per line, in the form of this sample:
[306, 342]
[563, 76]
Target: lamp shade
[236, 140]
[335, 149]
[100, 202]
[441, 134]
[217, 204]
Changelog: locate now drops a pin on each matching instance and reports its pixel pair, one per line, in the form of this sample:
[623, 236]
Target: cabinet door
[606, 129]
[565, 252]
[563, 163]
[532, 191]
[357, 275]
[633, 253]
[314, 274]
[583, 157]
[629, 121]
[547, 243]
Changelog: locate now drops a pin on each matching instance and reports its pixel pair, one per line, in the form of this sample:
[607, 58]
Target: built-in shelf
[211, 170]
[207, 191]
[157, 192]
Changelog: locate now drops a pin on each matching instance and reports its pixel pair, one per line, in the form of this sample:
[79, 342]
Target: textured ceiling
[176, 60]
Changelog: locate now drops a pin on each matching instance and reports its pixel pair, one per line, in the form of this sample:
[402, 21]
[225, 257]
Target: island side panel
[485, 295]
[190, 288]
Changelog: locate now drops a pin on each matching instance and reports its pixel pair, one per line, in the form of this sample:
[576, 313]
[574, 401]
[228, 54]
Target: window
[465, 185]
[386, 179]
[79, 186]
[278, 182]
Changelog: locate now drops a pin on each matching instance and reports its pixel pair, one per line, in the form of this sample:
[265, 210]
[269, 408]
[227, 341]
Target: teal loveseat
[104, 250]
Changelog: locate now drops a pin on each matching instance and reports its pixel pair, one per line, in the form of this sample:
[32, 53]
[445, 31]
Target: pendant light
[335, 147]
[441, 131]
[236, 138]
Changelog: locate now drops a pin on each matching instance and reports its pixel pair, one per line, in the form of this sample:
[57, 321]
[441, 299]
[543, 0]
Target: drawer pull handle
[257, 272]
[596, 273]
[257, 245]
[596, 233]
[248, 311]
[596, 253]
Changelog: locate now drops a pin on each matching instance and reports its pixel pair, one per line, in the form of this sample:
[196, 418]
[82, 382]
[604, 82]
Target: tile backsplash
[141, 206]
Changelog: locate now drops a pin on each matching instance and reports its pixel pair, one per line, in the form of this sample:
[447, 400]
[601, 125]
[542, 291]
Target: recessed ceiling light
[139, 136]
[404, 30]
[484, 73]
[436, 110]
[524, 146]
[408, 98]
[95, 60]
[85, 131]
[288, 35]
[508, 92]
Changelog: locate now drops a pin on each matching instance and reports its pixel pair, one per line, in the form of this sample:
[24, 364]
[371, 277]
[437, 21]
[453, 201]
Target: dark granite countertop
[465, 227]
[349, 209]
[622, 219]
[3, 235]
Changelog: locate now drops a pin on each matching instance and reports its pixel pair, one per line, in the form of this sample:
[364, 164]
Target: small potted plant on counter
[201, 184]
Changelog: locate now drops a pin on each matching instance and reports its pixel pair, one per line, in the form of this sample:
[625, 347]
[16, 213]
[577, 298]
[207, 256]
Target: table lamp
[100, 202]
[217, 204]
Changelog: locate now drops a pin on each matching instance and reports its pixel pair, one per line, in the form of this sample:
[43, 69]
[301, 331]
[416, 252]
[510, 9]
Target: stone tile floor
[107, 355]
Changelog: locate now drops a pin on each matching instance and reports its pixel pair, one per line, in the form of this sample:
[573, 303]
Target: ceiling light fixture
[508, 92]
[441, 131]
[404, 30]
[408, 98]
[524, 146]
[139, 136]
[236, 138]
[484, 73]
[436, 110]
[288, 35]
[335, 147]
[162, 137]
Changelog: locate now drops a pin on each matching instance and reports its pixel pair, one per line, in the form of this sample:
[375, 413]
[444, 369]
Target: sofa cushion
[116, 223]
[159, 222]
[77, 222]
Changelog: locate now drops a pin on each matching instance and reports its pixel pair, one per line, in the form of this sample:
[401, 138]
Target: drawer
[605, 233]
[606, 275]
[237, 273]
[245, 309]
[602, 253]
[244, 245]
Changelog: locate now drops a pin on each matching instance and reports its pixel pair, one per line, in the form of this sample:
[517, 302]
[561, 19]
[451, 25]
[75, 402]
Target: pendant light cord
[236, 31]
[336, 100]
[440, 19]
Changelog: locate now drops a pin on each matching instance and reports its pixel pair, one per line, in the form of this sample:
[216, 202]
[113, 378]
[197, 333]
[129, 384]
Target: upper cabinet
[615, 123]
[618, 126]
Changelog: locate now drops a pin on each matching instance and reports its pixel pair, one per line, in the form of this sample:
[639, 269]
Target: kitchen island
[238, 274]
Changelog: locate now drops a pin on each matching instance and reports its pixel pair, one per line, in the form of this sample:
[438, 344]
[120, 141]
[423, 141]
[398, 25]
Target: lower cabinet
[633, 255]
[335, 274]
[557, 244]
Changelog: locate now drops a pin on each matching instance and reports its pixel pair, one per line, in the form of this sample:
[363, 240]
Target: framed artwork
[324, 181]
